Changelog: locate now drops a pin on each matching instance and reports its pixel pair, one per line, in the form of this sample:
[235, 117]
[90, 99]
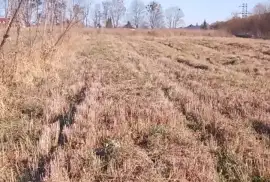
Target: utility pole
[245, 12]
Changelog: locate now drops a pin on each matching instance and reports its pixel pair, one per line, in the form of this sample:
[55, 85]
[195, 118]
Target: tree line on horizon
[116, 13]
[57, 12]
[113, 13]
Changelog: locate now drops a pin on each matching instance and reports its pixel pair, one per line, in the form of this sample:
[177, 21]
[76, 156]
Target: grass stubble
[135, 106]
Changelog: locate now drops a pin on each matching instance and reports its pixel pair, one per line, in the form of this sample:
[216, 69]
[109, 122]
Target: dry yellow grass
[135, 106]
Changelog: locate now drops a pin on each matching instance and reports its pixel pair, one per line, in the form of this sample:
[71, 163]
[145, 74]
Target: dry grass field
[135, 106]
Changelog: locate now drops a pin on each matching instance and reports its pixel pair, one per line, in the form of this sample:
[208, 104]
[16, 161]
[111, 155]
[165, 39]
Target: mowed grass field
[131, 106]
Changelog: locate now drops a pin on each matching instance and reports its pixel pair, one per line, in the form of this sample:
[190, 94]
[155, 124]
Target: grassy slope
[107, 106]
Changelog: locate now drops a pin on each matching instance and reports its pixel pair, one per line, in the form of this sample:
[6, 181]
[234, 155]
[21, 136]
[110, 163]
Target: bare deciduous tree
[87, 10]
[106, 5]
[137, 11]
[78, 12]
[155, 14]
[97, 15]
[30, 12]
[117, 11]
[235, 14]
[53, 12]
[12, 8]
[174, 17]
[28, 8]
[261, 8]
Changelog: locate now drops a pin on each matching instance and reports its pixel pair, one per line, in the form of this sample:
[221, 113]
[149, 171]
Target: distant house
[193, 27]
[4, 21]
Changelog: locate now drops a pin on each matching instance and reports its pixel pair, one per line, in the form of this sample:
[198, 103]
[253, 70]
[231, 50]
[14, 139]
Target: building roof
[193, 27]
[4, 19]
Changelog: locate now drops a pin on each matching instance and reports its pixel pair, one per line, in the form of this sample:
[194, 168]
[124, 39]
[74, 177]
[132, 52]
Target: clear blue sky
[212, 10]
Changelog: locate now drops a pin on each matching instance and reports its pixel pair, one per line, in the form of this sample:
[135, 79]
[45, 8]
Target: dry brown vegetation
[120, 105]
[257, 25]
